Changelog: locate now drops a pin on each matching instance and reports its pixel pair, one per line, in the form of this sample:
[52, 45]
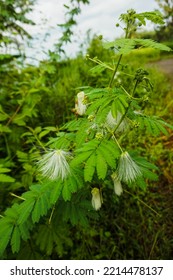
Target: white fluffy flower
[54, 165]
[96, 199]
[127, 169]
[112, 122]
[117, 184]
[80, 107]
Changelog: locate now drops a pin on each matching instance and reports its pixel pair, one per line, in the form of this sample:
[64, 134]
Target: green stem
[13, 116]
[117, 143]
[142, 202]
[122, 118]
[19, 197]
[115, 70]
[51, 215]
[36, 138]
[154, 243]
[135, 88]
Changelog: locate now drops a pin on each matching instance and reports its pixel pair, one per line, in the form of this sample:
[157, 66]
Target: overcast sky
[100, 16]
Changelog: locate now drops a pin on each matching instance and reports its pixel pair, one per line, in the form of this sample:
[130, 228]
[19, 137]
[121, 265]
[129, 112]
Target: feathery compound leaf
[46, 240]
[125, 46]
[102, 115]
[15, 240]
[56, 191]
[74, 124]
[99, 103]
[146, 168]
[89, 146]
[6, 178]
[25, 210]
[112, 147]
[153, 124]
[71, 184]
[83, 153]
[95, 93]
[81, 135]
[148, 43]
[109, 151]
[6, 229]
[41, 207]
[122, 45]
[155, 17]
[119, 105]
[90, 168]
[80, 158]
[24, 229]
[107, 156]
[101, 166]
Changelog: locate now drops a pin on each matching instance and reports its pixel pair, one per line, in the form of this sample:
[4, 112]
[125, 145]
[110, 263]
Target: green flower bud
[91, 118]
[99, 136]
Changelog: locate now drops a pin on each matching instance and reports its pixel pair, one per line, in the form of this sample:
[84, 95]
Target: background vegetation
[35, 101]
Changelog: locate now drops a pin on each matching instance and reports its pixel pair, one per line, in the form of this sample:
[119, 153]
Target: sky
[100, 16]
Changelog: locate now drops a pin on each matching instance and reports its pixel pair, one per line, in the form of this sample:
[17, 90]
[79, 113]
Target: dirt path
[166, 65]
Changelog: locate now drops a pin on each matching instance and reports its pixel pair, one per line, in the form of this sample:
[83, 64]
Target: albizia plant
[92, 152]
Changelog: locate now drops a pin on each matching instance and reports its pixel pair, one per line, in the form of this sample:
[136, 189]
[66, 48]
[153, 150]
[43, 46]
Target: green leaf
[24, 230]
[66, 192]
[152, 124]
[71, 185]
[101, 166]
[6, 229]
[99, 103]
[89, 146]
[40, 208]
[15, 240]
[109, 158]
[82, 134]
[125, 46]
[80, 158]
[45, 239]
[25, 210]
[94, 93]
[56, 191]
[90, 168]
[119, 105]
[73, 214]
[155, 17]
[4, 170]
[6, 178]
[110, 152]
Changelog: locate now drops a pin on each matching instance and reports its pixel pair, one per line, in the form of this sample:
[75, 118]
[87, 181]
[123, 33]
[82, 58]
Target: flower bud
[96, 199]
[117, 184]
[80, 107]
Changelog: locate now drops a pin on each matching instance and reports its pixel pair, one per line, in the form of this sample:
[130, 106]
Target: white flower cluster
[113, 122]
[54, 165]
[127, 169]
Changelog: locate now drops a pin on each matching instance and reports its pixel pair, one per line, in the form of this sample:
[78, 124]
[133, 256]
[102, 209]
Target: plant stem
[142, 202]
[117, 143]
[19, 197]
[13, 116]
[122, 118]
[135, 88]
[115, 70]
[51, 215]
[36, 138]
